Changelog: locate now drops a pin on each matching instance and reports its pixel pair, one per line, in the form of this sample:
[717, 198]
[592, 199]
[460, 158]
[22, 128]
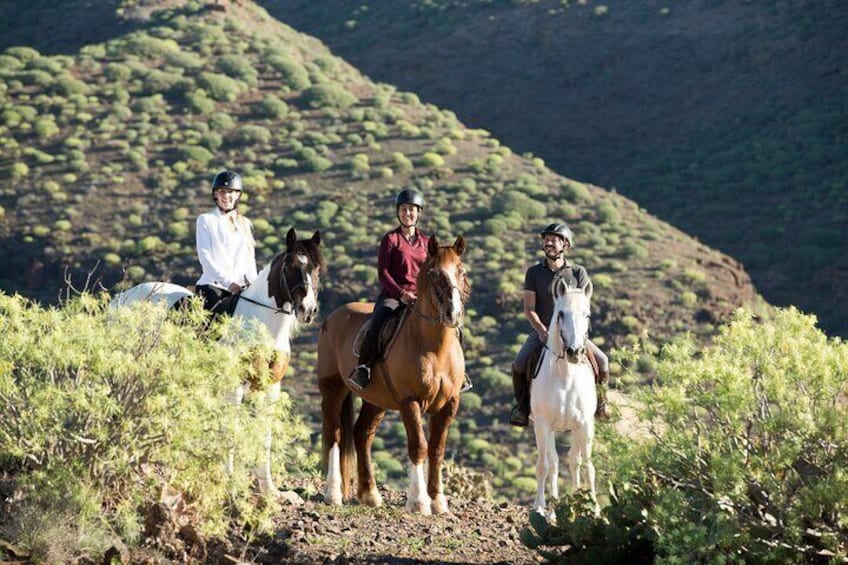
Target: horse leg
[575, 456]
[439, 424]
[336, 408]
[553, 465]
[234, 399]
[263, 471]
[543, 435]
[590, 472]
[363, 433]
[417, 499]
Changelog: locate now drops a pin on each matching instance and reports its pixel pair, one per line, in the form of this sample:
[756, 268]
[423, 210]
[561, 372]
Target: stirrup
[352, 379]
[466, 384]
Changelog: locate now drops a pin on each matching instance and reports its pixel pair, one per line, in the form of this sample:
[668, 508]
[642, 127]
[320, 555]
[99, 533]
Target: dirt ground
[474, 531]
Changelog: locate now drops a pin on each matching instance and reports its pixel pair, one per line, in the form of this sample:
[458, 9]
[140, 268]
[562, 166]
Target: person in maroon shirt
[402, 252]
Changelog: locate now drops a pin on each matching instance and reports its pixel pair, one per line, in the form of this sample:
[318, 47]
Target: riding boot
[361, 375]
[520, 414]
[601, 414]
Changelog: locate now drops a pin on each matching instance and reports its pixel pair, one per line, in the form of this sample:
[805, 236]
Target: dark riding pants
[217, 300]
[383, 309]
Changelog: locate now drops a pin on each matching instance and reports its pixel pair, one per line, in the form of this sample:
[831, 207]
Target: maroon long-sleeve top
[399, 261]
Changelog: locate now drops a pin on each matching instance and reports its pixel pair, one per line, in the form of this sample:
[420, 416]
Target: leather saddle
[388, 332]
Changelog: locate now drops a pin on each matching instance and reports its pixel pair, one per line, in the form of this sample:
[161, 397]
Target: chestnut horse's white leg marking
[417, 499]
[333, 488]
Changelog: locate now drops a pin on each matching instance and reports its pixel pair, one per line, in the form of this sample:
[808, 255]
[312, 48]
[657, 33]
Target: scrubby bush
[292, 72]
[101, 411]
[328, 95]
[220, 87]
[272, 107]
[747, 461]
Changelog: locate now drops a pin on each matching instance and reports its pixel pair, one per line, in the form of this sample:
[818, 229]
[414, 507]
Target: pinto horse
[421, 373]
[562, 396]
[283, 295]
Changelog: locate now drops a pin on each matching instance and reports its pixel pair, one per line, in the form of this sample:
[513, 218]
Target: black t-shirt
[539, 279]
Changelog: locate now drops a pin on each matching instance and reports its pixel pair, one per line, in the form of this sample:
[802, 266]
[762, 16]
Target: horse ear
[459, 245]
[291, 239]
[316, 238]
[432, 245]
[560, 287]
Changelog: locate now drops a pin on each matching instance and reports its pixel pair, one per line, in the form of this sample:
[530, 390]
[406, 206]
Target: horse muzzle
[575, 354]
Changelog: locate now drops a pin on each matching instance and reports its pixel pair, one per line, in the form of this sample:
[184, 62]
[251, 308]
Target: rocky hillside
[725, 118]
[107, 153]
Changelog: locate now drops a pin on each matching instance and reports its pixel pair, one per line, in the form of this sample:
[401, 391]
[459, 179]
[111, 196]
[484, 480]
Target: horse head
[294, 276]
[570, 322]
[443, 280]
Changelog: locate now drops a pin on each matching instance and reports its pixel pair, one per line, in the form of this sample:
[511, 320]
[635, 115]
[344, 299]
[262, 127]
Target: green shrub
[237, 66]
[67, 85]
[199, 102]
[197, 154]
[328, 95]
[431, 159]
[401, 162]
[292, 72]
[513, 201]
[184, 60]
[9, 64]
[24, 54]
[115, 407]
[744, 461]
[272, 107]
[147, 46]
[117, 72]
[251, 134]
[576, 192]
[219, 87]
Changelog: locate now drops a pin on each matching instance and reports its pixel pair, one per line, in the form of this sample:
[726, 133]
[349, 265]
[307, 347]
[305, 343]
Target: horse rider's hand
[543, 335]
[234, 288]
[408, 297]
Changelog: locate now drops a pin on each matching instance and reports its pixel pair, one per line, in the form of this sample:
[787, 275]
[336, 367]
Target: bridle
[305, 281]
[581, 357]
[439, 294]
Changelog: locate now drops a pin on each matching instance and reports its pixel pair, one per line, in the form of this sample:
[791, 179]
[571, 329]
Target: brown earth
[309, 531]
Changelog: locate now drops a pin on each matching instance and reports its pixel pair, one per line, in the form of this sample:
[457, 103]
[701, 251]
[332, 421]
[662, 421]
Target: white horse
[562, 396]
[283, 295]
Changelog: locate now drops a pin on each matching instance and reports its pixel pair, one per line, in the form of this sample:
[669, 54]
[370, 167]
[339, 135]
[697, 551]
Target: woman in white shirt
[225, 247]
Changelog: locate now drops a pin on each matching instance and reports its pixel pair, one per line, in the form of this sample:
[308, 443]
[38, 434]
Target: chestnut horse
[421, 373]
[562, 396]
[283, 294]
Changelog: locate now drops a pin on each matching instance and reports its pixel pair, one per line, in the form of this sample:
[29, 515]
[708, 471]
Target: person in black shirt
[538, 309]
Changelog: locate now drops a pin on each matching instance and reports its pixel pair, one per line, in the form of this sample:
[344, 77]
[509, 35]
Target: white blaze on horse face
[455, 298]
[573, 319]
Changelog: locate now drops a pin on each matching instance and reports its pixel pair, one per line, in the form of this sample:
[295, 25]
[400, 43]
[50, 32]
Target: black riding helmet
[227, 179]
[409, 196]
[561, 230]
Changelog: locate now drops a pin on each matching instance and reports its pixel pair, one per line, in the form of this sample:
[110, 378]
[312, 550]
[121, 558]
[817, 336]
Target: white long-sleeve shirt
[226, 249]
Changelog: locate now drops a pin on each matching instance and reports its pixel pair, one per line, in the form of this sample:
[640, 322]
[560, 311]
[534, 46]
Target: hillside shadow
[61, 28]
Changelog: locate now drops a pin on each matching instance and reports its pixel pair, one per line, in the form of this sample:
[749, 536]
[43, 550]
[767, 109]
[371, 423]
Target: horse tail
[347, 447]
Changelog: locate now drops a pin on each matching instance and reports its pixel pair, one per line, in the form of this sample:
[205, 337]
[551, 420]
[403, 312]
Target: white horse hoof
[371, 498]
[440, 504]
[422, 507]
[333, 496]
